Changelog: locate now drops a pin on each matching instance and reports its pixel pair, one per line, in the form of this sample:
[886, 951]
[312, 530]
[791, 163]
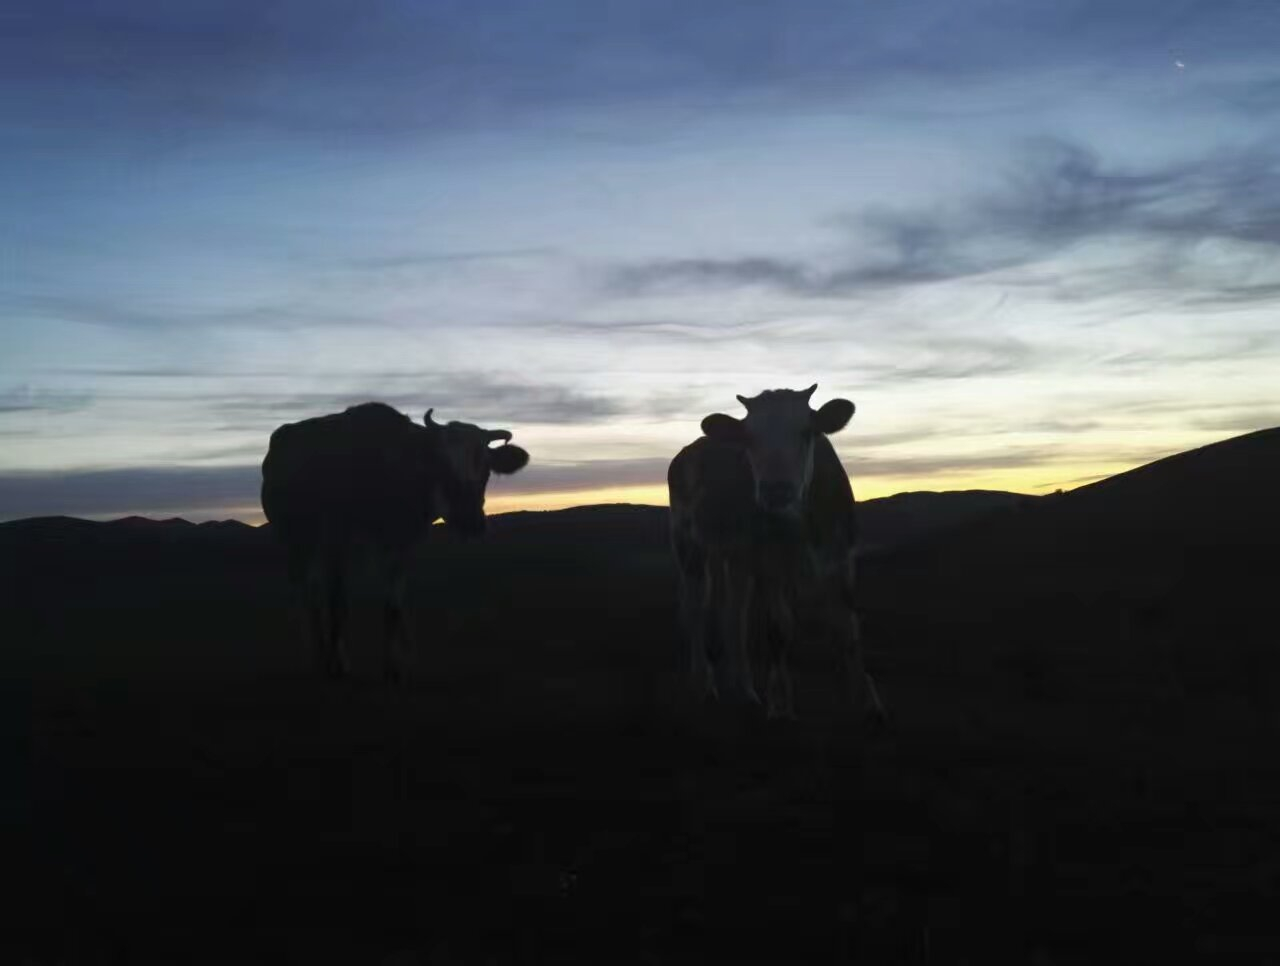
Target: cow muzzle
[777, 496]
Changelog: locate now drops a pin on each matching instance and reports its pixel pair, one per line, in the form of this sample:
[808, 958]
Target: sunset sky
[1034, 242]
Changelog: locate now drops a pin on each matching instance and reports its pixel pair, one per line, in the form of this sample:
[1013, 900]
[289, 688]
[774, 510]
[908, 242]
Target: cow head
[465, 460]
[777, 436]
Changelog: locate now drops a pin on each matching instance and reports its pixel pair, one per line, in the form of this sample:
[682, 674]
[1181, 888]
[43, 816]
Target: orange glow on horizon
[1031, 480]
[1039, 479]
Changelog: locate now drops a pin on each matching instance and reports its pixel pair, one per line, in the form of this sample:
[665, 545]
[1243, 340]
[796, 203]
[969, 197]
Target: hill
[1165, 572]
[1080, 768]
[885, 523]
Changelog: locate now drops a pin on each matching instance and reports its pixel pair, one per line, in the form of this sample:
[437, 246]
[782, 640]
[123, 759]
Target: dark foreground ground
[1082, 766]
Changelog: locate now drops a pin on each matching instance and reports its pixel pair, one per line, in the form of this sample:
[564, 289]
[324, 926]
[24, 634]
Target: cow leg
[299, 562]
[734, 676]
[779, 694]
[717, 629]
[864, 694]
[711, 629]
[691, 585]
[395, 618]
[327, 610]
[692, 605]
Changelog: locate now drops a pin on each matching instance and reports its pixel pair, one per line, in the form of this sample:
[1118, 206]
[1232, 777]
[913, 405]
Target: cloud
[204, 491]
[173, 489]
[125, 313]
[1060, 195]
[478, 397]
[24, 399]
[1252, 95]
[409, 260]
[342, 67]
[956, 357]
[707, 331]
[865, 465]
[1244, 421]
[542, 476]
[469, 396]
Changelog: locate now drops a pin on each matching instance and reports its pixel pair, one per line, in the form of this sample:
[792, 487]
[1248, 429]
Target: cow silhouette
[763, 529]
[370, 475]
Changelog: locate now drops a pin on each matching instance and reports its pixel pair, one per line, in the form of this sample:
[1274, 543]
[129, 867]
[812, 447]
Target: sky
[1036, 242]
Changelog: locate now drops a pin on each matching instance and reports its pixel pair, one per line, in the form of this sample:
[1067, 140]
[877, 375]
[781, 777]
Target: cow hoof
[876, 724]
[334, 671]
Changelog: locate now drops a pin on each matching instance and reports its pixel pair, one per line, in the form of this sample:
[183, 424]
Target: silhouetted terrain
[1081, 765]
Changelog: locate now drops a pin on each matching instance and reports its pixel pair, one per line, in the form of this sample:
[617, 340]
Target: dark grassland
[1082, 764]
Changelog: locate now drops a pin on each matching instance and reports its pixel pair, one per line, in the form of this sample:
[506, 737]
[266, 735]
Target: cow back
[366, 469]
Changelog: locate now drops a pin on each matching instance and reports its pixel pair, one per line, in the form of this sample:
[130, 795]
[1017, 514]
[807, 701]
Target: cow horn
[502, 434]
[810, 391]
[427, 420]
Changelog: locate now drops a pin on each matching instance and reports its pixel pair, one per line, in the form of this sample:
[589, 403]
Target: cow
[370, 475]
[763, 529]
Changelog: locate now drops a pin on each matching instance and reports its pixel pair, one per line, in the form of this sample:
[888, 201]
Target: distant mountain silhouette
[904, 518]
[1169, 569]
[1220, 494]
[1083, 688]
[885, 522]
[150, 523]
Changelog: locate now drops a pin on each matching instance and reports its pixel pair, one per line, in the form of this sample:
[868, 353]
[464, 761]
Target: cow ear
[507, 459]
[724, 428]
[833, 416]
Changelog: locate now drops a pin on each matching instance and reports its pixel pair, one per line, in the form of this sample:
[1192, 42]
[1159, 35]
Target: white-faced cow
[763, 529]
[371, 476]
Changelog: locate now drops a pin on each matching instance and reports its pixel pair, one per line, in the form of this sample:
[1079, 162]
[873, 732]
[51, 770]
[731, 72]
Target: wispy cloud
[1243, 421]
[543, 476]
[25, 399]
[206, 490]
[340, 69]
[468, 396]
[445, 260]
[142, 313]
[1059, 196]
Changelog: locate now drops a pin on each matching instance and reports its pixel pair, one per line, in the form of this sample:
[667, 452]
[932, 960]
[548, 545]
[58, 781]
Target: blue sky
[1035, 242]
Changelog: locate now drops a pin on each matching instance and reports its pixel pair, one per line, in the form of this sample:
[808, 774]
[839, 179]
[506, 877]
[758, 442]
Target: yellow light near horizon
[653, 495]
[1021, 479]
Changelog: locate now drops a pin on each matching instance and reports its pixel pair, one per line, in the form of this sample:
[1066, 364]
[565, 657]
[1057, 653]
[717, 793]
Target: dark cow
[371, 475]
[763, 529]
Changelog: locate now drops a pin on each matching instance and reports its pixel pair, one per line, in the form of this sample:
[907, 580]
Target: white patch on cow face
[779, 444]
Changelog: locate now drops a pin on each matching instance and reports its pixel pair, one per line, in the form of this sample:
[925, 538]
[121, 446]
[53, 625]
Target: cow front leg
[395, 620]
[864, 695]
[779, 692]
[326, 605]
[734, 677]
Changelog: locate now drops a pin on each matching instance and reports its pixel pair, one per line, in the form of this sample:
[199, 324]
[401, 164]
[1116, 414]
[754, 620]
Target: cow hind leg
[692, 602]
[692, 590]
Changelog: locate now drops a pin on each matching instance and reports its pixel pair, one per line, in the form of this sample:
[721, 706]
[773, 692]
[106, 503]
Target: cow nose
[777, 495]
